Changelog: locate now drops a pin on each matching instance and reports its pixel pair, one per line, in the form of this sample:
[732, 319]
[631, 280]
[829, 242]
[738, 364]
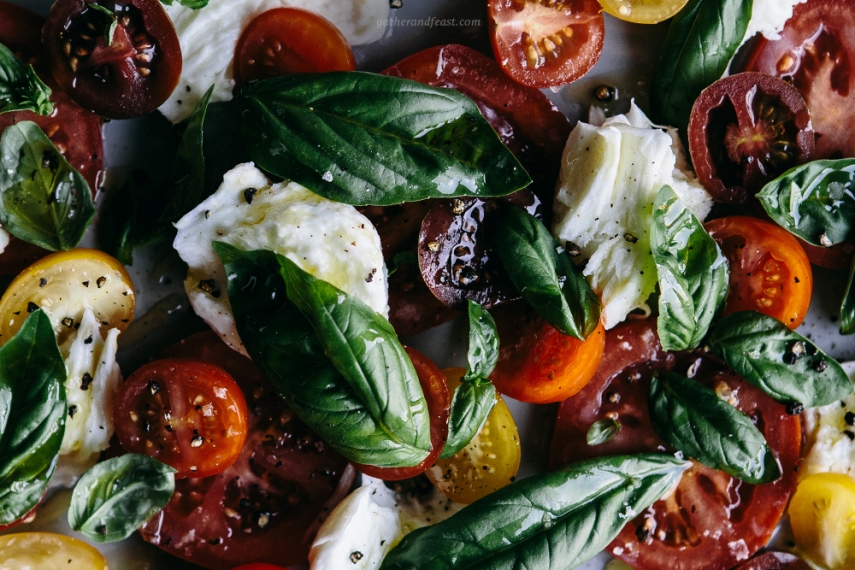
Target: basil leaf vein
[192, 4]
[20, 87]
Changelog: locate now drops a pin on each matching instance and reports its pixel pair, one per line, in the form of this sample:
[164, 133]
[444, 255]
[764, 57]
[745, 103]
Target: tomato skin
[769, 270]
[569, 43]
[538, 364]
[774, 561]
[707, 502]
[186, 413]
[438, 399]
[302, 41]
[838, 256]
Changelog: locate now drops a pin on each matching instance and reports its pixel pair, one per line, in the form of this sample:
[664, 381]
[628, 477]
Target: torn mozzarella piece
[831, 436]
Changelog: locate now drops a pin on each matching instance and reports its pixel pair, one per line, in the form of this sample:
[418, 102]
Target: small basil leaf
[693, 274]
[814, 201]
[117, 496]
[483, 351]
[43, 199]
[285, 347]
[402, 258]
[192, 4]
[546, 276]
[111, 21]
[693, 419]
[20, 87]
[847, 308]
[361, 138]
[551, 521]
[701, 40]
[781, 362]
[602, 431]
[32, 415]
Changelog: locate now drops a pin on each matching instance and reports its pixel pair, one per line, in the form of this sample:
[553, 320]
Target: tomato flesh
[21, 32]
[47, 550]
[774, 561]
[643, 11]
[822, 514]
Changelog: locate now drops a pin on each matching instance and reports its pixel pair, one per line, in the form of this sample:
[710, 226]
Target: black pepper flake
[213, 541]
[101, 529]
[207, 285]
[100, 282]
[605, 93]
[849, 434]
[355, 556]
[32, 307]
[85, 381]
[42, 282]
[630, 238]
[72, 409]
[216, 293]
[849, 418]
[207, 214]
[249, 194]
[795, 408]
[370, 277]
[642, 533]
[820, 365]
[86, 283]
[88, 340]
[572, 249]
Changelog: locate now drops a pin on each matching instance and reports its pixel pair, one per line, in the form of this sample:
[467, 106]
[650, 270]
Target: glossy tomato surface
[546, 43]
[769, 270]
[711, 521]
[119, 75]
[268, 505]
[815, 53]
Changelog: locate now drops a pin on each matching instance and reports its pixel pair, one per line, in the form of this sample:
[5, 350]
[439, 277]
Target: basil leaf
[20, 87]
[552, 521]
[693, 273]
[361, 138]
[701, 40]
[781, 362]
[112, 21]
[814, 201]
[847, 308]
[192, 4]
[32, 415]
[117, 496]
[693, 419]
[546, 277]
[282, 342]
[602, 431]
[483, 351]
[43, 199]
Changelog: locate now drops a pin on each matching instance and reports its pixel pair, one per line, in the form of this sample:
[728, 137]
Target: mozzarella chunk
[332, 241]
[610, 176]
[90, 388]
[830, 437]
[4, 239]
[209, 36]
[768, 17]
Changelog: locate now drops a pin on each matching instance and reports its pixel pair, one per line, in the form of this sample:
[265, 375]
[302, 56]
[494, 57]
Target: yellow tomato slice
[489, 462]
[42, 550]
[822, 514]
[643, 11]
[64, 284]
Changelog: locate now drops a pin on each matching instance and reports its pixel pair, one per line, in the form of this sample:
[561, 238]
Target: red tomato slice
[816, 53]
[769, 270]
[290, 40]
[711, 521]
[21, 32]
[546, 43]
[267, 506]
[438, 399]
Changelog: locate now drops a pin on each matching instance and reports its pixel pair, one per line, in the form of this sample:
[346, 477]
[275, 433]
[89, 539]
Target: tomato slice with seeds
[546, 43]
[769, 270]
[711, 521]
[290, 40]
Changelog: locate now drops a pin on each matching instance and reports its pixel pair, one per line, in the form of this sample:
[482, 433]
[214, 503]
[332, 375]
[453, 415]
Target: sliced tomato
[769, 270]
[643, 11]
[21, 32]
[128, 74]
[290, 40]
[267, 506]
[838, 256]
[815, 53]
[711, 521]
[774, 561]
[186, 413]
[48, 550]
[546, 43]
[538, 364]
[438, 399]
[822, 513]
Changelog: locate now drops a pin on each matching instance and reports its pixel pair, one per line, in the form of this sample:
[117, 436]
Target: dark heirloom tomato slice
[290, 40]
[21, 32]
[711, 521]
[546, 43]
[769, 270]
[130, 74]
[774, 561]
[816, 53]
[267, 506]
[438, 399]
[838, 256]
[745, 130]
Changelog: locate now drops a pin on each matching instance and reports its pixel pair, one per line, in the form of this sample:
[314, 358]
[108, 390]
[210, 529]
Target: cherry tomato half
[126, 75]
[186, 413]
[769, 270]
[643, 11]
[711, 521]
[546, 43]
[290, 40]
[822, 514]
[47, 550]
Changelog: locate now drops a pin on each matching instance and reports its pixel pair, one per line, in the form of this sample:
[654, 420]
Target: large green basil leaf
[32, 415]
[192, 4]
[693, 274]
[43, 199]
[117, 496]
[781, 362]
[361, 138]
[283, 344]
[814, 201]
[546, 276]
[847, 307]
[701, 41]
[693, 419]
[20, 87]
[552, 521]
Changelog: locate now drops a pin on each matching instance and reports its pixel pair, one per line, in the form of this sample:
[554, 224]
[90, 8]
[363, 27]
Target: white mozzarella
[4, 239]
[332, 241]
[769, 16]
[830, 437]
